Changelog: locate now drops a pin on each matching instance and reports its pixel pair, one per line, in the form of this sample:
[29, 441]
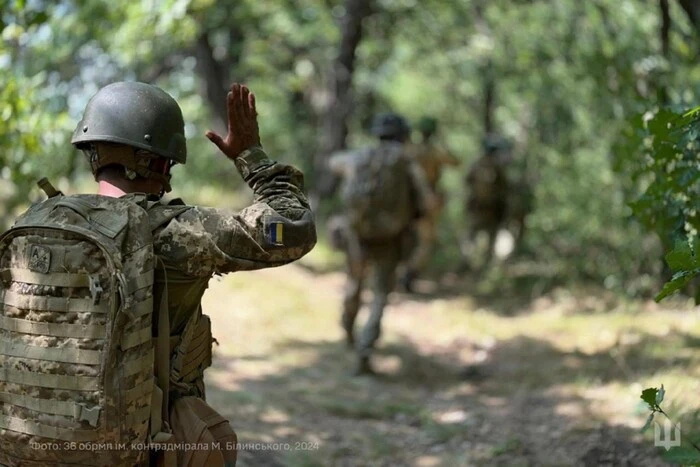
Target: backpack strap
[160, 213]
[161, 434]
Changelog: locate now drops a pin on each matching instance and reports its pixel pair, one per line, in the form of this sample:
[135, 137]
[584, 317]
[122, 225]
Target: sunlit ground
[468, 378]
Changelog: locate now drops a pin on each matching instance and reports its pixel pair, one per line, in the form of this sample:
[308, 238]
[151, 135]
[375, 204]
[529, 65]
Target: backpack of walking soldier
[378, 195]
[77, 378]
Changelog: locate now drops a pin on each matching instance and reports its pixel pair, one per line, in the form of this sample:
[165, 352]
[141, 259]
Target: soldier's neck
[108, 189]
[118, 187]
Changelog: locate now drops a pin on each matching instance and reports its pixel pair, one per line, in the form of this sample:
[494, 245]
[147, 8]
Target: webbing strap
[64, 355]
[182, 347]
[141, 281]
[56, 304]
[139, 391]
[57, 279]
[133, 367]
[81, 331]
[139, 416]
[162, 366]
[66, 408]
[142, 308]
[194, 361]
[45, 380]
[136, 338]
[47, 431]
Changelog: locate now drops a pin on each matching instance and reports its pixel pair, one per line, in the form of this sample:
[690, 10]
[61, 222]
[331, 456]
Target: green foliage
[566, 79]
[667, 168]
[682, 455]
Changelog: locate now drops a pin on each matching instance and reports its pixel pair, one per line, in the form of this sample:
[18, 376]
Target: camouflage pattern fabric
[378, 257]
[194, 243]
[383, 189]
[488, 193]
[486, 203]
[376, 261]
[276, 229]
[76, 352]
[432, 159]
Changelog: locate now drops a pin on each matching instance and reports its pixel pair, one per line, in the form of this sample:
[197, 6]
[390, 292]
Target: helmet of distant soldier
[427, 124]
[493, 143]
[390, 125]
[135, 114]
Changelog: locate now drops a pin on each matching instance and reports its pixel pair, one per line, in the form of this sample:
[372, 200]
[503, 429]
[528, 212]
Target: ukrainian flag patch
[276, 233]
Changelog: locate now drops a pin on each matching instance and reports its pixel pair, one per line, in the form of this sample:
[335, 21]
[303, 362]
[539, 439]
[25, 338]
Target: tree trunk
[217, 75]
[334, 125]
[489, 98]
[692, 9]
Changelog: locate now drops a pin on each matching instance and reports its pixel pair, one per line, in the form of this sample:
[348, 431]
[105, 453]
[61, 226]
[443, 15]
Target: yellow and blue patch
[275, 233]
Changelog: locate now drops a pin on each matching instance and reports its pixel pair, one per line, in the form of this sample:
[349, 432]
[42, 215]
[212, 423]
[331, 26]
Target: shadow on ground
[519, 406]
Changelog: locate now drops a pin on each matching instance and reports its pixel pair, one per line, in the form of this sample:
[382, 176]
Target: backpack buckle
[95, 289]
[91, 415]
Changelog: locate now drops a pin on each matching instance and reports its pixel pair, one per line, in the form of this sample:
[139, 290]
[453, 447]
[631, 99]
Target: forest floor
[469, 375]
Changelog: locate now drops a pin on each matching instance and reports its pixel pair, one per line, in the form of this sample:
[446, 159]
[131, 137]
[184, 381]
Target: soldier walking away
[103, 343]
[383, 191]
[432, 158]
[487, 198]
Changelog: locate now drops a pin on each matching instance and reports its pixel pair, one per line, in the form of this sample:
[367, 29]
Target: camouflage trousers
[376, 263]
[426, 234]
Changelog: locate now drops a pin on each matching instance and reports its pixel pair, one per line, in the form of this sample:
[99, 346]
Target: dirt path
[465, 381]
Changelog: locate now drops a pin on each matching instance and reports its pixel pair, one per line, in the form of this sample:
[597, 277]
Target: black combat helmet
[390, 125]
[136, 114]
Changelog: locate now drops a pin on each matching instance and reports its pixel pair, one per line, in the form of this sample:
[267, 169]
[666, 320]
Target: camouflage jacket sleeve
[446, 157]
[341, 163]
[276, 229]
[424, 196]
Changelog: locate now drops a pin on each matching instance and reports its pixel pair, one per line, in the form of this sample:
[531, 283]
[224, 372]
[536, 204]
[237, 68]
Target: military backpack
[77, 353]
[378, 195]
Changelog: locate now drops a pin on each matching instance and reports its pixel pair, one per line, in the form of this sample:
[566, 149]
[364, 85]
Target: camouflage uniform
[488, 195]
[202, 242]
[380, 257]
[138, 128]
[432, 158]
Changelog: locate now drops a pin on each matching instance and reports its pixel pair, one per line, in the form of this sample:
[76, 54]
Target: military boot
[364, 367]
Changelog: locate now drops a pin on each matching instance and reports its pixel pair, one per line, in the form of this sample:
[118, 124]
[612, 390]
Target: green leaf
[649, 396]
[660, 395]
[682, 257]
[650, 419]
[682, 455]
[677, 282]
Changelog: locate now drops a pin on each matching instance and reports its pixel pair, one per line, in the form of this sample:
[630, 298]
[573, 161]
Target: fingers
[251, 105]
[238, 110]
[216, 139]
[231, 107]
[245, 99]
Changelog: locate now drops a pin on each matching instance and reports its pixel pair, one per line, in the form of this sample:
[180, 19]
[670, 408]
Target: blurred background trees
[574, 84]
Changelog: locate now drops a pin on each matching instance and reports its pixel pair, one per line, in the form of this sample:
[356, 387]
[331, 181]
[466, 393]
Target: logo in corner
[39, 259]
[667, 440]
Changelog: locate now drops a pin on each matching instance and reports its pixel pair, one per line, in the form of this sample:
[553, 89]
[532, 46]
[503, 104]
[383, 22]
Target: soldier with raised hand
[276, 229]
[383, 191]
[487, 195]
[151, 262]
[433, 158]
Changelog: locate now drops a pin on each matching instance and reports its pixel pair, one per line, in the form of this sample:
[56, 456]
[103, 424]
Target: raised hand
[243, 132]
